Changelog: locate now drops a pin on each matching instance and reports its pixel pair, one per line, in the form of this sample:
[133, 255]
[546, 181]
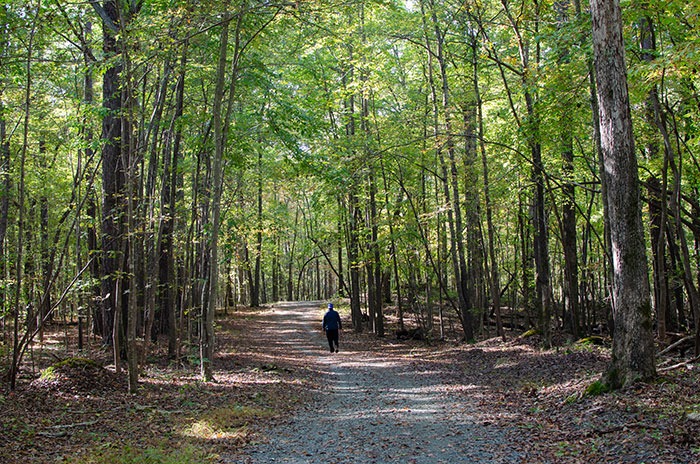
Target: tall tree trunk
[476, 266]
[27, 99]
[491, 230]
[353, 258]
[113, 173]
[44, 249]
[394, 252]
[5, 167]
[376, 264]
[167, 273]
[210, 291]
[154, 222]
[543, 286]
[354, 207]
[568, 219]
[341, 271]
[132, 266]
[658, 198]
[255, 284]
[291, 254]
[86, 197]
[133, 247]
[597, 136]
[633, 343]
[451, 180]
[5, 189]
[660, 121]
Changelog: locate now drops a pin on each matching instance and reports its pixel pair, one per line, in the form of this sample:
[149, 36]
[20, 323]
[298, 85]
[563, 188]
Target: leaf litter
[280, 397]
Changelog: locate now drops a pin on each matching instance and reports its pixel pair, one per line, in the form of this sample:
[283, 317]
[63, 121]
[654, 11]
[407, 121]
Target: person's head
[330, 305]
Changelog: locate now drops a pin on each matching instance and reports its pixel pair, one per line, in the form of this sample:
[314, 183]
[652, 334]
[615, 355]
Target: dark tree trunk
[167, 274]
[341, 271]
[658, 199]
[255, 287]
[46, 262]
[353, 258]
[568, 219]
[93, 245]
[113, 175]
[375, 265]
[5, 176]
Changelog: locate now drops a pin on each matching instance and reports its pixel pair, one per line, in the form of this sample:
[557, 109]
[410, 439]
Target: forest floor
[280, 396]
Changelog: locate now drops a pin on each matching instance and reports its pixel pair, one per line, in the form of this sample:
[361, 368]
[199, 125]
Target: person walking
[332, 325]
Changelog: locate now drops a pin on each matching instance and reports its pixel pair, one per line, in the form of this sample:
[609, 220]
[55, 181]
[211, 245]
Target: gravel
[376, 407]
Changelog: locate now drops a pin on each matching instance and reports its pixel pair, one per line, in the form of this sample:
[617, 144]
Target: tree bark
[27, 99]
[210, 290]
[113, 175]
[568, 219]
[255, 281]
[490, 228]
[633, 344]
[167, 274]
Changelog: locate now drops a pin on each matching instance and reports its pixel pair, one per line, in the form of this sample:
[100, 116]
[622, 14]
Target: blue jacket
[331, 321]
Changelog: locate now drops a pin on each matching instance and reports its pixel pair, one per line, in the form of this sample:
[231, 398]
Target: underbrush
[131, 454]
[72, 407]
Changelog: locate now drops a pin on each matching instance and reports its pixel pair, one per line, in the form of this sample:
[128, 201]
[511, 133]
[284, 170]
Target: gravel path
[375, 408]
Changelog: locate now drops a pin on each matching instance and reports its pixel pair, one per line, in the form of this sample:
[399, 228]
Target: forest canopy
[165, 159]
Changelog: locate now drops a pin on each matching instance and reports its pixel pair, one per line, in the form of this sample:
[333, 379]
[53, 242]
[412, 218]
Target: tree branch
[106, 20]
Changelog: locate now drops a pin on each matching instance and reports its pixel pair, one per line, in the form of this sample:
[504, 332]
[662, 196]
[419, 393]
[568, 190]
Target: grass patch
[597, 388]
[226, 422]
[530, 333]
[153, 455]
[51, 372]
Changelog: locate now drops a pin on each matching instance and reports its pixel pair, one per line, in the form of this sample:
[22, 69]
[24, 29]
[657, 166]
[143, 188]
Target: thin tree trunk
[658, 199]
[5, 168]
[394, 257]
[353, 258]
[568, 226]
[493, 265]
[607, 272]
[255, 284]
[543, 286]
[210, 291]
[354, 213]
[133, 225]
[153, 224]
[451, 187]
[27, 94]
[376, 259]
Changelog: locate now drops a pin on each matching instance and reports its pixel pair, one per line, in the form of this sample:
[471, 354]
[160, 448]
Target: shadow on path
[374, 407]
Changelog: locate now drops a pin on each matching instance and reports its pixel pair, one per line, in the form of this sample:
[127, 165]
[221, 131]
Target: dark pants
[332, 335]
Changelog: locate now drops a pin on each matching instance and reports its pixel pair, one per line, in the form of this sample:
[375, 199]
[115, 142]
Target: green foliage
[530, 333]
[230, 422]
[597, 388]
[329, 102]
[136, 454]
[52, 371]
[592, 340]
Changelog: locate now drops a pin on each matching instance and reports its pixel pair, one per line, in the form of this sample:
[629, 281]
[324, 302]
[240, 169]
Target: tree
[633, 344]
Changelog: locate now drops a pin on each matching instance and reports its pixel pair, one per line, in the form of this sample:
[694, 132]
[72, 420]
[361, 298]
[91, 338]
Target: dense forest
[506, 164]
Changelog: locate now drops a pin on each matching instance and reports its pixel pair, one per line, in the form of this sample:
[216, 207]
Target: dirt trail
[374, 407]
